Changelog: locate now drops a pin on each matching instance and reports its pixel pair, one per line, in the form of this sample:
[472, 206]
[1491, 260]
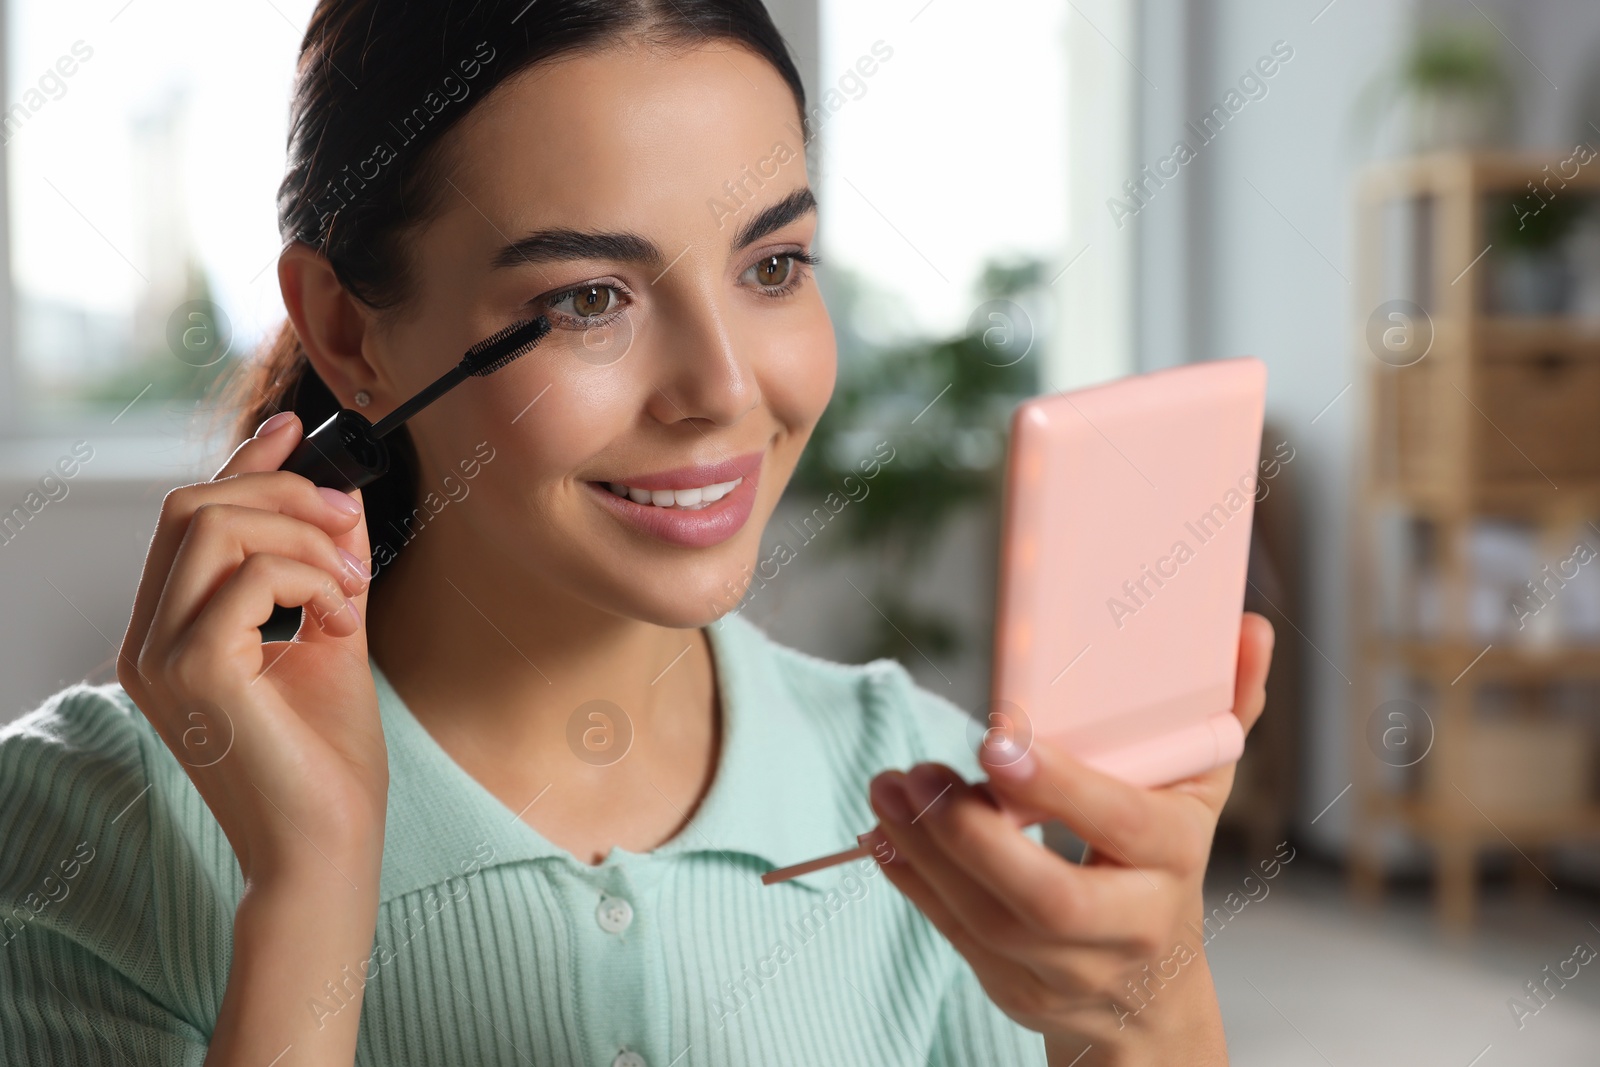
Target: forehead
[614, 137]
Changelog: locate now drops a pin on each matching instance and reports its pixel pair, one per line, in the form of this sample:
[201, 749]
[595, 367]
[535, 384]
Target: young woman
[507, 795]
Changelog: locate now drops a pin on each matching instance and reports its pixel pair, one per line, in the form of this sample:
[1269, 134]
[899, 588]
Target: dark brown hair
[377, 84]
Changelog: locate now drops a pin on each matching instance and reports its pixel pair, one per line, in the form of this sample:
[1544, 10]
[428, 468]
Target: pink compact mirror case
[1125, 538]
[1124, 543]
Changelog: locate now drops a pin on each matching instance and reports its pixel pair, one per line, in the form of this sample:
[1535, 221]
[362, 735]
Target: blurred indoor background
[1391, 202]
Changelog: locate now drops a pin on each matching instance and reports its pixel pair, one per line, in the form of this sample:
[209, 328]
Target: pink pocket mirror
[1124, 542]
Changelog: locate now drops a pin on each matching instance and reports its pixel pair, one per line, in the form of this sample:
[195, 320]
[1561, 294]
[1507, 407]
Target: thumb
[1256, 641]
[1039, 780]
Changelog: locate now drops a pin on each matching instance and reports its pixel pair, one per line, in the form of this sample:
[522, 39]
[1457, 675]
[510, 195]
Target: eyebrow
[779, 215]
[543, 246]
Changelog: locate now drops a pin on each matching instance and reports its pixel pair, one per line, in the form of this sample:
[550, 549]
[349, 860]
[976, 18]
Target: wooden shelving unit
[1500, 418]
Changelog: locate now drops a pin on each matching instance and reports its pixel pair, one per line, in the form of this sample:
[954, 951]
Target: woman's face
[652, 206]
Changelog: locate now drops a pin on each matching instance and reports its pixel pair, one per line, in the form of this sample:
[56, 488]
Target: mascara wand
[347, 452]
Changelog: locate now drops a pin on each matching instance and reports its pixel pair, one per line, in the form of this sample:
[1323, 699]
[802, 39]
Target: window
[943, 146]
[144, 145]
[144, 142]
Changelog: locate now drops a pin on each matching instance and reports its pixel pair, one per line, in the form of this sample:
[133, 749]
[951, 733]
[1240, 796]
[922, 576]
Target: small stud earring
[363, 398]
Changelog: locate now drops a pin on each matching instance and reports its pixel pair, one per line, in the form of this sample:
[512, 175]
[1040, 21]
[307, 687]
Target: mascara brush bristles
[485, 357]
[492, 353]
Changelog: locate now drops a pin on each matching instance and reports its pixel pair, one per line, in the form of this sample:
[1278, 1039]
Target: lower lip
[700, 528]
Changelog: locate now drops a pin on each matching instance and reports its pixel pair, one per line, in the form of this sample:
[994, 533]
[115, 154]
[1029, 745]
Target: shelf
[1487, 827]
[1504, 331]
[1447, 172]
[1535, 334]
[1502, 660]
[1524, 498]
[1499, 418]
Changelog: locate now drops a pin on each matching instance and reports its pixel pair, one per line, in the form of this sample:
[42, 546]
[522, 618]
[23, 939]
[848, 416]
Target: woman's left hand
[1059, 946]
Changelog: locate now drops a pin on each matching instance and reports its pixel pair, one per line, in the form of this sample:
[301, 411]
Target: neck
[502, 670]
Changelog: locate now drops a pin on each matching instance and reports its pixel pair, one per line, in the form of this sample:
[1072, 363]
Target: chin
[683, 593]
[690, 614]
[701, 597]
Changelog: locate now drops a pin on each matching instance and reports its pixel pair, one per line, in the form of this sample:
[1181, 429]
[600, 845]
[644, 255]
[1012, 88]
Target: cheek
[801, 368]
[575, 418]
[534, 423]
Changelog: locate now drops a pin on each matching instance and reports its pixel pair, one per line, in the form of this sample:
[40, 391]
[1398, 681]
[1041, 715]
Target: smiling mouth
[692, 499]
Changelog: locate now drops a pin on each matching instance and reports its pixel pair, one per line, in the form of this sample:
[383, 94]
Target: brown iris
[595, 300]
[774, 270]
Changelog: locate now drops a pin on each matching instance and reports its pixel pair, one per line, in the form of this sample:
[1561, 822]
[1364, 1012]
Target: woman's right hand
[281, 738]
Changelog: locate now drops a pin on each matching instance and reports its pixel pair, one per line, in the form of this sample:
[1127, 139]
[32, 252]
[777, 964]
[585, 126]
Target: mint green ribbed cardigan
[494, 946]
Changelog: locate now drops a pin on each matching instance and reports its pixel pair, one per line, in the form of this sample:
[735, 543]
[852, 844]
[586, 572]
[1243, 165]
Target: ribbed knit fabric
[494, 946]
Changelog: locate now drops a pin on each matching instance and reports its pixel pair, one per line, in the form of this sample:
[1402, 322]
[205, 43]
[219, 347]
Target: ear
[334, 327]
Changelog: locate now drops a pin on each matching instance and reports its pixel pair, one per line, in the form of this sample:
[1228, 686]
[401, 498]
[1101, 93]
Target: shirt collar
[771, 801]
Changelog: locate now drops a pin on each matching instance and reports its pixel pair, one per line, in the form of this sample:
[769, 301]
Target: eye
[586, 301]
[774, 270]
[781, 272]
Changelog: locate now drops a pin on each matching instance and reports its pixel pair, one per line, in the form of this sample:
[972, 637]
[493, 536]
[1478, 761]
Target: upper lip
[696, 476]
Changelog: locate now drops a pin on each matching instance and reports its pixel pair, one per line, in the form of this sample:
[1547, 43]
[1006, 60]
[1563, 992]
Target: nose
[700, 371]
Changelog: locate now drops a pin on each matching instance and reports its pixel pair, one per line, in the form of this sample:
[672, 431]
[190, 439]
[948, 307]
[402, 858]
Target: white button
[615, 915]
[628, 1058]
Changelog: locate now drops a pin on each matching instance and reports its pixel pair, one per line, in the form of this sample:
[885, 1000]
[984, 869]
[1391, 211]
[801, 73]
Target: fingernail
[354, 609]
[357, 568]
[889, 797]
[924, 785]
[275, 423]
[1008, 760]
[341, 501]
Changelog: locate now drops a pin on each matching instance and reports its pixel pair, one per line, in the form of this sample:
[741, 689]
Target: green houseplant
[945, 404]
[1451, 86]
[1532, 275]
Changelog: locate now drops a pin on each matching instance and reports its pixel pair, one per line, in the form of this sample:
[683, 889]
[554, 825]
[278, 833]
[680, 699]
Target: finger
[355, 541]
[1051, 895]
[251, 477]
[267, 448]
[224, 644]
[274, 440]
[221, 537]
[1018, 989]
[1256, 641]
[268, 445]
[906, 878]
[1005, 885]
[1143, 828]
[1147, 829]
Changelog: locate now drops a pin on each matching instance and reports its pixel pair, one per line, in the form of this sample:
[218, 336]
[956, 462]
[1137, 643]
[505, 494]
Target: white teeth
[688, 499]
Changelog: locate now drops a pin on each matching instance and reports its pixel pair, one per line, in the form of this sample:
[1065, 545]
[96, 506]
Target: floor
[1307, 977]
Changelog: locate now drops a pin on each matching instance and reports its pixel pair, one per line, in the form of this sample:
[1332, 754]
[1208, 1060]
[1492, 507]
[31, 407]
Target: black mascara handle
[341, 454]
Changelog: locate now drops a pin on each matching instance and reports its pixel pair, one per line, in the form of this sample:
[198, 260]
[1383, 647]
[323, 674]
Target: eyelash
[804, 259]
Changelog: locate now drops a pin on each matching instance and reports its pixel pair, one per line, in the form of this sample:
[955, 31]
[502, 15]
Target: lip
[690, 477]
[703, 527]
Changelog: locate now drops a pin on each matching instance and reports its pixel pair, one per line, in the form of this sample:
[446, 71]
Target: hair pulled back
[377, 84]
